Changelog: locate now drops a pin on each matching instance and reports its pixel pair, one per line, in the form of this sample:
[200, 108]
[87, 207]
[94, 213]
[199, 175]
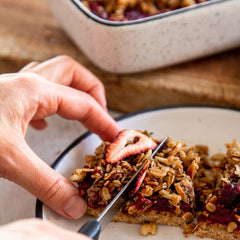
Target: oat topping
[167, 178]
[179, 180]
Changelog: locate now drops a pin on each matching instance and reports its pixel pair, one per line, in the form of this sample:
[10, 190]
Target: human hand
[37, 229]
[59, 86]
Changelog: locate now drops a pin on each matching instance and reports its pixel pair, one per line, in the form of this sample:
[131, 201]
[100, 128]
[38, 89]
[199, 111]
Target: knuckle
[54, 190]
[27, 79]
[65, 59]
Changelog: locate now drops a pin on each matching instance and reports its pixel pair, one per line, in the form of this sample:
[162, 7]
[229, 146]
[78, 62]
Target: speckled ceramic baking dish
[152, 42]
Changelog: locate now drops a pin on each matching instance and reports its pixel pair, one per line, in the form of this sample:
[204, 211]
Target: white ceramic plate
[195, 125]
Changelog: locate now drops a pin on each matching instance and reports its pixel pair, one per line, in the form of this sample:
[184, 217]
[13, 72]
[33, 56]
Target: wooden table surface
[29, 31]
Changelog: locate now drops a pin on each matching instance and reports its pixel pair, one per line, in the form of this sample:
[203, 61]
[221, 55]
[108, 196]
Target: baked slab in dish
[152, 42]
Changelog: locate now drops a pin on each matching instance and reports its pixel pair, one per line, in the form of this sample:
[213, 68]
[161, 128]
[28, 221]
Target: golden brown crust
[218, 232]
[151, 216]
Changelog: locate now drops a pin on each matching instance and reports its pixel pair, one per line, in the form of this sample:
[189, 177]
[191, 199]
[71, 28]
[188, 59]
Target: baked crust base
[151, 216]
[218, 232]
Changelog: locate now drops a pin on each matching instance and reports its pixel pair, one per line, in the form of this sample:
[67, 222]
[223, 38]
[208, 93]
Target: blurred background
[30, 32]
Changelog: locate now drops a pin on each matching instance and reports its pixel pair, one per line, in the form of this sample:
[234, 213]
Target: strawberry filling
[227, 207]
[221, 216]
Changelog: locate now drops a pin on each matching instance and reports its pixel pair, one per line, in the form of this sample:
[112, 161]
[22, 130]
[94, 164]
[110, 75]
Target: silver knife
[92, 228]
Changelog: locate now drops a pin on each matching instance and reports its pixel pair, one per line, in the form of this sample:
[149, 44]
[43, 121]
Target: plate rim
[39, 204]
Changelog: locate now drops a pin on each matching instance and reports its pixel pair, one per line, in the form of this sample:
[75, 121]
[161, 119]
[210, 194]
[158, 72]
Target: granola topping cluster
[166, 185]
[180, 180]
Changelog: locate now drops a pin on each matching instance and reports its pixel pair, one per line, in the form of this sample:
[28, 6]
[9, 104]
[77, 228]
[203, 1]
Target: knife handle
[91, 229]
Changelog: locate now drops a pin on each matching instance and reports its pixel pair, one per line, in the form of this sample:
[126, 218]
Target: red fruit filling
[128, 142]
[230, 195]
[140, 179]
[142, 203]
[227, 207]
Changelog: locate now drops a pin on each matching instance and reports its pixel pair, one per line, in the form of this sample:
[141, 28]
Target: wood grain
[29, 32]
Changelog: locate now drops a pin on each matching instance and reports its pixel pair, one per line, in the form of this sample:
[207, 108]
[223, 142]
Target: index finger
[69, 103]
[66, 71]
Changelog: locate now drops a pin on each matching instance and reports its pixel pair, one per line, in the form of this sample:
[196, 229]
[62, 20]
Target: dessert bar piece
[217, 187]
[164, 189]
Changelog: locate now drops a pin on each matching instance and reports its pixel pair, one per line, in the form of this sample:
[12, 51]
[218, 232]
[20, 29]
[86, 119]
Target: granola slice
[217, 186]
[164, 192]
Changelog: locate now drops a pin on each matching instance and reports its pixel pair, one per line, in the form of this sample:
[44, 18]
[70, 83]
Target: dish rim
[78, 4]
[39, 204]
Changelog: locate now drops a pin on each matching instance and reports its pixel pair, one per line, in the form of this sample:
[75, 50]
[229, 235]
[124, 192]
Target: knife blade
[92, 228]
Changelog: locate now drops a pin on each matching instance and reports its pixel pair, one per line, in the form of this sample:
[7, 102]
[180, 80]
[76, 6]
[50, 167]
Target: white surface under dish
[152, 42]
[195, 125]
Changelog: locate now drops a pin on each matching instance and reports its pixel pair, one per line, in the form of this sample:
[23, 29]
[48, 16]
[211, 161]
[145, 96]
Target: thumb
[27, 170]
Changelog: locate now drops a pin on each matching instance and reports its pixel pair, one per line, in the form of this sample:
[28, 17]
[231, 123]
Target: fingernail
[75, 207]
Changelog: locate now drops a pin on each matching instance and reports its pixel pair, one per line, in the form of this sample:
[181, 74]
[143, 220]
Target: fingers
[21, 165]
[66, 71]
[72, 104]
[29, 229]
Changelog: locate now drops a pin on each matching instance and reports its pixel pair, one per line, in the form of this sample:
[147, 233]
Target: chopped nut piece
[176, 149]
[180, 191]
[173, 197]
[117, 183]
[192, 169]
[169, 180]
[211, 207]
[179, 169]
[80, 174]
[132, 209]
[213, 199]
[231, 227]
[147, 191]
[105, 195]
[205, 213]
[148, 228]
[108, 168]
[159, 173]
[170, 161]
[189, 229]
[188, 216]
